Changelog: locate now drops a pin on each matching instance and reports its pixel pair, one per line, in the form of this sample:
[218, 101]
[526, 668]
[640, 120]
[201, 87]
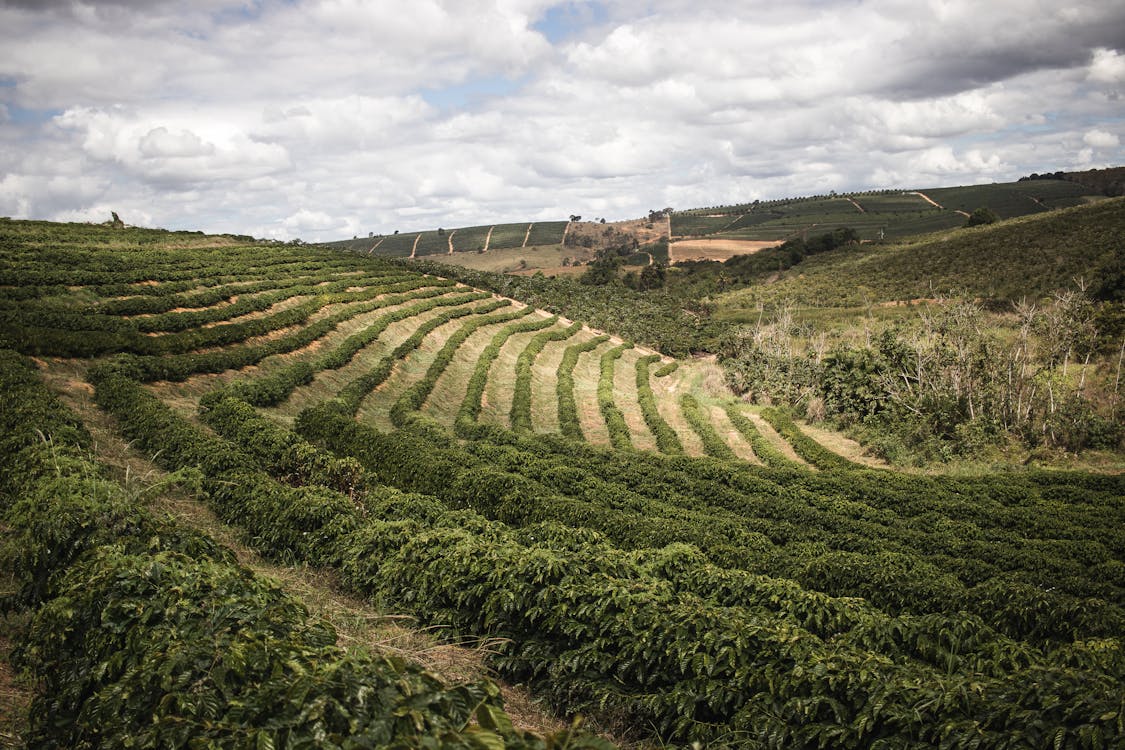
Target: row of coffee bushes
[695, 414]
[413, 398]
[520, 415]
[569, 424]
[619, 436]
[71, 335]
[762, 448]
[666, 439]
[355, 391]
[471, 404]
[146, 635]
[797, 527]
[578, 614]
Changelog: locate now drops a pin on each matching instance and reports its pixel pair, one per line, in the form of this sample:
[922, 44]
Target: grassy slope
[1032, 255]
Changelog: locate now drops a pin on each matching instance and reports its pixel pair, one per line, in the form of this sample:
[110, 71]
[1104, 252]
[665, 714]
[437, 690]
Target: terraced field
[680, 566]
[881, 215]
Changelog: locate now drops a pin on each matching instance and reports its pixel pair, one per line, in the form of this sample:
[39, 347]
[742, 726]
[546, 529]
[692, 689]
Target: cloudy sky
[324, 119]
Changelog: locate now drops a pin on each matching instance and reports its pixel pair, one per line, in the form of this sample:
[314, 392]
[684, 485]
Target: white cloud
[1100, 139]
[318, 118]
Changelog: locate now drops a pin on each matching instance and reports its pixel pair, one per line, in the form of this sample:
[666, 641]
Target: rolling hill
[638, 545]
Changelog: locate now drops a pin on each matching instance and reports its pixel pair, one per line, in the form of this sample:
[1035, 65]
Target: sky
[327, 119]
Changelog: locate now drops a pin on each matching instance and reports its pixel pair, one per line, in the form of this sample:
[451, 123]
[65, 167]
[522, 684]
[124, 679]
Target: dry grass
[667, 391]
[518, 259]
[729, 433]
[842, 445]
[375, 408]
[586, 375]
[497, 401]
[777, 441]
[449, 391]
[625, 397]
[544, 383]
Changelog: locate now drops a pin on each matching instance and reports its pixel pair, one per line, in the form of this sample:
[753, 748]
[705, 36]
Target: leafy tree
[983, 215]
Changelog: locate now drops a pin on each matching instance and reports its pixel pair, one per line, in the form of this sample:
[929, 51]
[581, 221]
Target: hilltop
[720, 232]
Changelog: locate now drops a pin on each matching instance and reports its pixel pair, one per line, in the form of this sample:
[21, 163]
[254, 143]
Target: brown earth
[716, 249]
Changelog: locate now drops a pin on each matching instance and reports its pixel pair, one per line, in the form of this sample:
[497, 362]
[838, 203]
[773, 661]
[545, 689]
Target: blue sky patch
[566, 20]
[473, 92]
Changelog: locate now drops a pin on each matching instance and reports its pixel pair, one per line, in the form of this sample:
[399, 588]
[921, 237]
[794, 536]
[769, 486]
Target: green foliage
[769, 455]
[614, 420]
[671, 325]
[412, 399]
[569, 424]
[805, 447]
[981, 216]
[520, 416]
[713, 445]
[666, 439]
[471, 404]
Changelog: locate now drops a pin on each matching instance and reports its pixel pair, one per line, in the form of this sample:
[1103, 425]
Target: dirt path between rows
[927, 198]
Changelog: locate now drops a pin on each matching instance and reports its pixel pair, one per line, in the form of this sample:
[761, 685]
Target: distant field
[880, 215]
[1037, 253]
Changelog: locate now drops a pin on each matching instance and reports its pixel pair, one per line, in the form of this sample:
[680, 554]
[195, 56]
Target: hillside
[1026, 257]
[631, 542]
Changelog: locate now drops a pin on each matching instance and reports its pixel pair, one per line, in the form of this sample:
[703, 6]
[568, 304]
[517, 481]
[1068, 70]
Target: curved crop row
[713, 445]
[150, 636]
[614, 421]
[569, 424]
[471, 404]
[573, 609]
[273, 389]
[520, 416]
[415, 396]
[844, 547]
[64, 334]
[805, 447]
[666, 439]
[183, 366]
[770, 455]
[354, 392]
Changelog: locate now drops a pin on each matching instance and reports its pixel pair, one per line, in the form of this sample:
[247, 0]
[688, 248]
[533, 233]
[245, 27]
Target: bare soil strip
[724, 249]
[928, 199]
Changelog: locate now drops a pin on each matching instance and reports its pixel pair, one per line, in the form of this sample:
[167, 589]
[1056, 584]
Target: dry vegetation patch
[716, 249]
